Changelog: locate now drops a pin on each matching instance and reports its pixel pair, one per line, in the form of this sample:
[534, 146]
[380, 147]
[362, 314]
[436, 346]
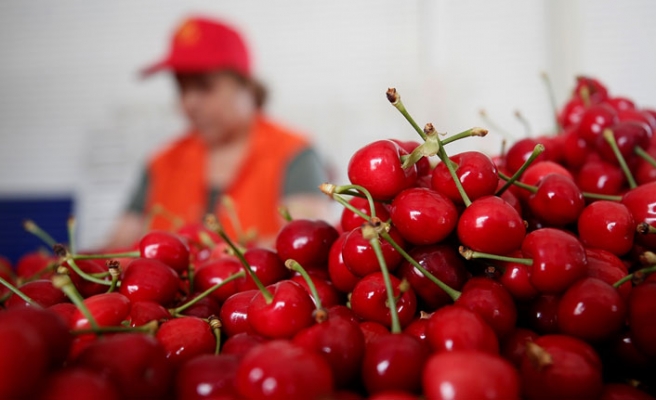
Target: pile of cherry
[527, 275]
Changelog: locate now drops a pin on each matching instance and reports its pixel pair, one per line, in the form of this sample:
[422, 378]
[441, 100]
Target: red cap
[201, 45]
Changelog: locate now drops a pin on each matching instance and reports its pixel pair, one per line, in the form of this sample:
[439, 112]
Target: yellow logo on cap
[188, 34]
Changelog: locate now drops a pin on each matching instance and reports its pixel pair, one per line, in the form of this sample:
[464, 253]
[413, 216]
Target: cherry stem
[450, 166]
[645, 156]
[395, 99]
[489, 122]
[610, 138]
[64, 283]
[519, 184]
[637, 275]
[128, 254]
[213, 224]
[115, 273]
[215, 324]
[552, 100]
[71, 263]
[584, 92]
[31, 227]
[70, 228]
[537, 150]
[599, 196]
[527, 126]
[644, 228]
[454, 294]
[178, 310]
[360, 189]
[284, 213]
[480, 132]
[18, 293]
[158, 209]
[148, 328]
[231, 211]
[320, 314]
[469, 254]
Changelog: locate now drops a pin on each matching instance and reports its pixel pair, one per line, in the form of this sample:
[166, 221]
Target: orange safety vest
[177, 180]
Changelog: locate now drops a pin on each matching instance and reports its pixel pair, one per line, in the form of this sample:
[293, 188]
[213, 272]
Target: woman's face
[217, 104]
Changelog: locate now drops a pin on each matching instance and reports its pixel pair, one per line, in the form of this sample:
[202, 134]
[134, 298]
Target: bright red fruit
[165, 247]
[351, 220]
[594, 120]
[77, 383]
[492, 302]
[476, 172]
[108, 309]
[453, 328]
[343, 279]
[185, 338]
[289, 311]
[515, 278]
[423, 216]
[607, 225]
[40, 291]
[306, 241]
[641, 202]
[234, 313]
[598, 176]
[360, 258]
[213, 272]
[149, 280]
[557, 201]
[369, 300]
[207, 376]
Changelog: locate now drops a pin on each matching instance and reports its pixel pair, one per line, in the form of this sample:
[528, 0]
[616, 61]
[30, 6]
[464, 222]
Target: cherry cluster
[527, 275]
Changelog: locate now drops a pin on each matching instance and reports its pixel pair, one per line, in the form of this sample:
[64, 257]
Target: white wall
[74, 118]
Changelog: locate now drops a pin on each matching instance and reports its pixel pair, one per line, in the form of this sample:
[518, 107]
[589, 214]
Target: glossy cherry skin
[136, 363]
[570, 114]
[377, 167]
[266, 265]
[558, 259]
[516, 278]
[142, 312]
[360, 258]
[149, 280]
[87, 288]
[240, 344]
[369, 300]
[423, 165]
[394, 362]
[609, 268]
[282, 370]
[490, 300]
[166, 248]
[622, 391]
[351, 220]
[108, 309]
[594, 120]
[557, 201]
[207, 376]
[591, 310]
[475, 170]
[598, 176]
[185, 338]
[373, 330]
[519, 152]
[289, 311]
[306, 241]
[423, 216]
[641, 202]
[40, 291]
[537, 172]
[642, 317]
[454, 328]
[593, 89]
[542, 314]
[444, 263]
[77, 383]
[32, 263]
[342, 278]
[327, 293]
[574, 371]
[620, 103]
[449, 376]
[491, 225]
[575, 149]
[341, 342]
[213, 272]
[234, 313]
[628, 135]
[513, 347]
[645, 172]
[607, 225]
[417, 328]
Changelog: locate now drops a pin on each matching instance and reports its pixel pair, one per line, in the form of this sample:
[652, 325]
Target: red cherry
[642, 317]
[491, 225]
[377, 167]
[607, 225]
[423, 216]
[628, 135]
[108, 309]
[537, 172]
[516, 278]
[87, 288]
[449, 376]
[559, 366]
[423, 165]
[351, 220]
[575, 149]
[34, 263]
[240, 344]
[598, 176]
[290, 311]
[185, 338]
[513, 346]
[373, 330]
[327, 293]
[594, 120]
[360, 258]
[570, 114]
[213, 272]
[492, 302]
[620, 103]
[417, 328]
[594, 89]
[476, 172]
[149, 280]
[607, 267]
[645, 172]
[591, 310]
[453, 328]
[394, 362]
[308, 242]
[283, 370]
[165, 247]
[641, 202]
[143, 312]
[369, 300]
[343, 279]
[519, 152]
[134, 362]
[207, 376]
[77, 383]
[543, 314]
[622, 391]
[40, 291]
[557, 201]
[637, 116]
[204, 308]
[444, 263]
[266, 265]
[65, 311]
[234, 313]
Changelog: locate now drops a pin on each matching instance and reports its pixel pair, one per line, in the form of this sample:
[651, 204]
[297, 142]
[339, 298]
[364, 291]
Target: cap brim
[154, 68]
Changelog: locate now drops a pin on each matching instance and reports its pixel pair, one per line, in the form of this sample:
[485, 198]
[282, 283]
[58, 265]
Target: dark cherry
[215, 271]
[641, 202]
[594, 120]
[360, 257]
[623, 391]
[542, 314]
[454, 328]
[282, 370]
[306, 241]
[642, 317]
[449, 375]
[327, 293]
[607, 267]
[108, 309]
[185, 338]
[607, 225]
[515, 278]
[492, 302]
[377, 167]
[373, 330]
[149, 280]
[513, 347]
[143, 312]
[204, 308]
[423, 216]
[40, 291]
[557, 201]
[207, 376]
[87, 288]
[628, 135]
[351, 220]
[77, 383]
[394, 362]
[598, 176]
[369, 300]
[240, 344]
[476, 172]
[234, 313]
[166, 248]
[342, 278]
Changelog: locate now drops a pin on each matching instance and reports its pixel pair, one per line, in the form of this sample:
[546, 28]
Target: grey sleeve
[304, 174]
[137, 202]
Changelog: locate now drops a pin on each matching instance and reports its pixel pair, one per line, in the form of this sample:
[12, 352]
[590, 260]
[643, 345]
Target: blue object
[49, 213]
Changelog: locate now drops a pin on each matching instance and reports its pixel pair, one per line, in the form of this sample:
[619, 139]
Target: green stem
[599, 196]
[552, 100]
[129, 254]
[537, 150]
[520, 184]
[71, 225]
[284, 213]
[71, 263]
[449, 166]
[18, 293]
[488, 121]
[469, 254]
[395, 99]
[644, 271]
[295, 266]
[64, 283]
[149, 328]
[31, 227]
[360, 189]
[610, 138]
[177, 311]
[645, 156]
[215, 325]
[115, 272]
[341, 200]
[468, 133]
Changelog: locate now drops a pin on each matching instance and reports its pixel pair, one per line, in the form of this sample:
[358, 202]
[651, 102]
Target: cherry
[213, 272]
[107, 309]
[143, 312]
[328, 295]
[423, 216]
[591, 88]
[369, 300]
[519, 152]
[491, 225]
[476, 172]
[607, 225]
[351, 220]
[594, 120]
[575, 149]
[185, 338]
[65, 311]
[642, 205]
[622, 391]
[341, 311]
[87, 288]
[423, 165]
[444, 263]
[40, 291]
[591, 310]
[165, 247]
[287, 313]
[642, 317]
[207, 376]
[628, 135]
[637, 116]
[492, 302]
[203, 308]
[234, 313]
[377, 167]
[77, 383]
[516, 278]
[417, 328]
[266, 265]
[559, 366]
[308, 242]
[541, 169]
[627, 357]
[453, 328]
[570, 114]
[149, 280]
[240, 344]
[513, 346]
[645, 172]
[449, 376]
[393, 362]
[35, 263]
[557, 201]
[607, 267]
[558, 259]
[598, 176]
[620, 103]
[282, 370]
[341, 277]
[340, 341]
[134, 362]
[391, 395]
[360, 258]
[543, 314]
[373, 330]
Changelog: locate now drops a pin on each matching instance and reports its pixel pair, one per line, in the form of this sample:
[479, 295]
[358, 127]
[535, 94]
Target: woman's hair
[257, 88]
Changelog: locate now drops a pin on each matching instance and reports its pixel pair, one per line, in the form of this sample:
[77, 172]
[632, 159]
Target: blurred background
[77, 123]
